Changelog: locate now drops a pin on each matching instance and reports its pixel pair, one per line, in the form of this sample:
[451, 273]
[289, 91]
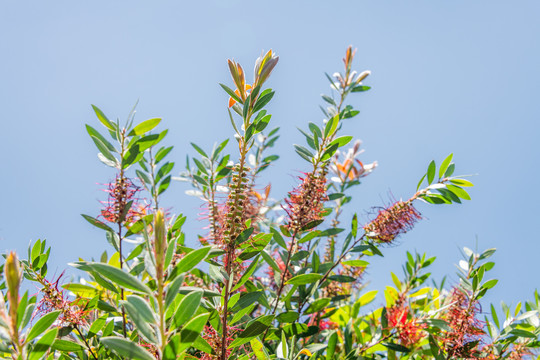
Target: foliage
[271, 279]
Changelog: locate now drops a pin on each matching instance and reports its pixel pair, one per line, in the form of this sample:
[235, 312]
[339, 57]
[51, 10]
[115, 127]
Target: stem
[86, 342]
[152, 170]
[325, 276]
[161, 307]
[229, 256]
[282, 281]
[122, 297]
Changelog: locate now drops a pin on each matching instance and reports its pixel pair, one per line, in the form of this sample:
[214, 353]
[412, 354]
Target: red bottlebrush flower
[408, 330]
[121, 192]
[214, 339]
[305, 203]
[466, 328]
[392, 222]
[72, 312]
[322, 324]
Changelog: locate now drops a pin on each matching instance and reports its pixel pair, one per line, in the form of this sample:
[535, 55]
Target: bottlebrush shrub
[271, 279]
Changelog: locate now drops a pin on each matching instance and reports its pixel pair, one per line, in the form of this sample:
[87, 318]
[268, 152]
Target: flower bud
[159, 233]
[12, 272]
[362, 76]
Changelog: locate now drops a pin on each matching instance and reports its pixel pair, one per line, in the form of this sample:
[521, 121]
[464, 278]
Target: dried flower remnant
[121, 193]
[392, 221]
[305, 203]
[235, 204]
[466, 328]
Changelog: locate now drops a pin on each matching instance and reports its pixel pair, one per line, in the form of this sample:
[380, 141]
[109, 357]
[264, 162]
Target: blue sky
[458, 76]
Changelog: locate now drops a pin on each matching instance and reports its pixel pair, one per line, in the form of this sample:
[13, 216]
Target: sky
[455, 77]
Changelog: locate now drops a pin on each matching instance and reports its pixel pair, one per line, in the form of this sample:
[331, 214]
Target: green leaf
[263, 123]
[192, 259]
[360, 88]
[487, 253]
[310, 236]
[144, 127]
[523, 333]
[104, 150]
[127, 348]
[43, 344]
[300, 150]
[244, 235]
[164, 170]
[304, 279]
[246, 300]
[42, 324]
[367, 298]
[356, 263]
[459, 192]
[287, 317]
[116, 275]
[341, 141]
[145, 311]
[444, 166]
[420, 182]
[462, 182]
[172, 290]
[95, 134]
[144, 177]
[331, 126]
[264, 99]
[162, 153]
[103, 119]
[449, 171]
[247, 274]
[312, 224]
[317, 305]
[278, 238]
[97, 325]
[258, 349]
[328, 99]
[255, 328]
[332, 341]
[342, 278]
[231, 93]
[187, 307]
[202, 345]
[138, 318]
[191, 331]
[431, 171]
[396, 347]
[270, 261]
[490, 283]
[199, 150]
[66, 346]
[354, 226]
[329, 152]
[148, 141]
